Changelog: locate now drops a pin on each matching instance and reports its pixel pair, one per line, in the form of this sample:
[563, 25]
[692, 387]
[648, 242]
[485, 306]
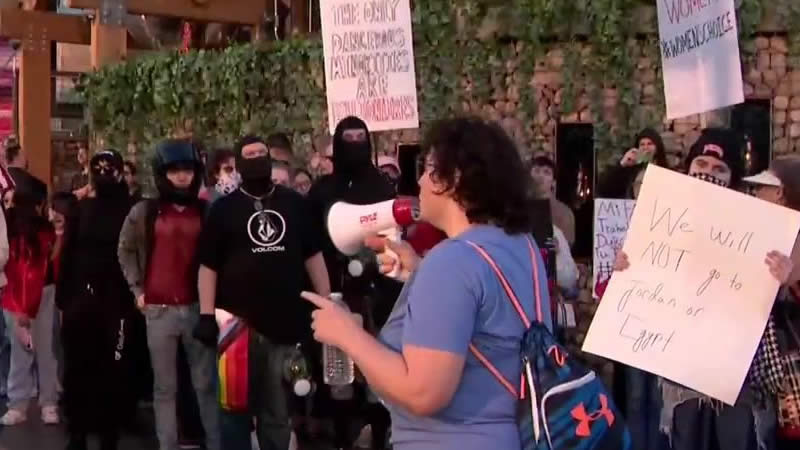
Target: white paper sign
[611, 218]
[369, 63]
[700, 55]
[693, 305]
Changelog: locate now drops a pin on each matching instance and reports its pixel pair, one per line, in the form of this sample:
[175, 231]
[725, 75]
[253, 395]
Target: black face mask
[352, 157]
[256, 174]
[708, 178]
[104, 179]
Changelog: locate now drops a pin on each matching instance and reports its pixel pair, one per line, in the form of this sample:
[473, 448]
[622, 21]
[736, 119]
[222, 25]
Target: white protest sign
[694, 302]
[611, 218]
[369, 63]
[700, 55]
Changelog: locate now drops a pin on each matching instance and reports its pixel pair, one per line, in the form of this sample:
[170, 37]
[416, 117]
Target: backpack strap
[517, 306]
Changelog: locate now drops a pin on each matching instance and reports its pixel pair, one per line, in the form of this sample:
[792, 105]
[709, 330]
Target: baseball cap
[765, 178]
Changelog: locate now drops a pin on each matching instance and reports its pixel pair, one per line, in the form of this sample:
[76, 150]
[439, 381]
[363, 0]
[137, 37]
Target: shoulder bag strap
[517, 306]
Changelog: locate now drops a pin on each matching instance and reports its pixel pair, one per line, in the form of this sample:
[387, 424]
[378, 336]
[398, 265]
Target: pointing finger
[318, 300]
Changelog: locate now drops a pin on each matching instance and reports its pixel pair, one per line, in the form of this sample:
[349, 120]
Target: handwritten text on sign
[700, 55]
[693, 305]
[611, 218]
[369, 63]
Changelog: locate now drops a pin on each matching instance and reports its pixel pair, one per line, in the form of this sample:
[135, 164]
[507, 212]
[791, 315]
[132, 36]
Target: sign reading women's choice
[369, 63]
[700, 55]
[694, 302]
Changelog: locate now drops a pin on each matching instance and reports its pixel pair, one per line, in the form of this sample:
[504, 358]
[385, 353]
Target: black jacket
[89, 259]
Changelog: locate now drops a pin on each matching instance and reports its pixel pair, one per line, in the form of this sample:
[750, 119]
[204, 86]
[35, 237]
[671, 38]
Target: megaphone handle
[394, 236]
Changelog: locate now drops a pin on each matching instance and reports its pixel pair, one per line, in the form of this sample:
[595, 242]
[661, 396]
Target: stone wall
[771, 74]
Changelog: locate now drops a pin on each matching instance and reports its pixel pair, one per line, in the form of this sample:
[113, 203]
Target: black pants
[97, 370]
[787, 444]
[697, 426]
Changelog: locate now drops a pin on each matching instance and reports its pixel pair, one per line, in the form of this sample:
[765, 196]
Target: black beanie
[723, 144]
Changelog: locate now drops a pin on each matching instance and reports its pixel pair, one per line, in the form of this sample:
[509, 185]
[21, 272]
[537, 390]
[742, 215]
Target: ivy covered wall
[528, 64]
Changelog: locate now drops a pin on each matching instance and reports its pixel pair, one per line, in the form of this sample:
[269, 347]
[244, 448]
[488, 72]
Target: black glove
[207, 330]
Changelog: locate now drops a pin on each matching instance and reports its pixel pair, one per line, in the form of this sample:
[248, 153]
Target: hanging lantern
[187, 37]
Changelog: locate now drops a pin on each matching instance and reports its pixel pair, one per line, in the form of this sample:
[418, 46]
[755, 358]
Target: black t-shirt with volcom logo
[259, 256]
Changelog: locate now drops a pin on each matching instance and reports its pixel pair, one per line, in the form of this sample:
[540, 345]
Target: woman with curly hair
[474, 188]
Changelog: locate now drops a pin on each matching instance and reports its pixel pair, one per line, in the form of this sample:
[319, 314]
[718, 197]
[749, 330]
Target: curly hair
[479, 166]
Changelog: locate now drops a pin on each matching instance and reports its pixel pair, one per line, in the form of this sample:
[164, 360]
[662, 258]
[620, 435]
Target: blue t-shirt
[455, 298]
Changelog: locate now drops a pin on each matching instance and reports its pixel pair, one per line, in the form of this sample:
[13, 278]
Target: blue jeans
[643, 402]
[166, 326]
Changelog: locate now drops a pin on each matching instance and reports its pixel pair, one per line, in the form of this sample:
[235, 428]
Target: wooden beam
[30, 5]
[37, 25]
[34, 108]
[248, 12]
[109, 44]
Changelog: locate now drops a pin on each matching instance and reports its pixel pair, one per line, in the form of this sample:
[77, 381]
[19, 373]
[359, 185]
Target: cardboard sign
[700, 55]
[369, 63]
[611, 218]
[694, 302]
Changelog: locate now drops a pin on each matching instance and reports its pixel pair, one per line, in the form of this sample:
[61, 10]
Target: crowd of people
[111, 297]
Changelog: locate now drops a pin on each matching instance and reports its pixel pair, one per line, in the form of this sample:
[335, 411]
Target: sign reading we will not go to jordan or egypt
[693, 304]
[369, 63]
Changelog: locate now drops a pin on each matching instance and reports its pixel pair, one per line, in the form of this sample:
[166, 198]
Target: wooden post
[299, 17]
[36, 30]
[109, 35]
[34, 106]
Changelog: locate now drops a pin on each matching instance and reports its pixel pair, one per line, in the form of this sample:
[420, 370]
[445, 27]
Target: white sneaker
[50, 415]
[13, 417]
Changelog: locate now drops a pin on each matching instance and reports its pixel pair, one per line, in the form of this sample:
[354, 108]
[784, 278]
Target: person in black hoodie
[618, 180]
[97, 306]
[357, 180]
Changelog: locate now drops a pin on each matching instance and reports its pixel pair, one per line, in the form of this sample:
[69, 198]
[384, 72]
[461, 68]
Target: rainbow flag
[233, 366]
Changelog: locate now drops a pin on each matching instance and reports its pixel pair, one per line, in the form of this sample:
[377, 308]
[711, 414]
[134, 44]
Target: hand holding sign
[692, 304]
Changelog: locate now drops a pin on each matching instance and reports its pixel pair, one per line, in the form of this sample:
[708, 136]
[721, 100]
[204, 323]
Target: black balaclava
[722, 144]
[351, 159]
[106, 172]
[177, 153]
[256, 172]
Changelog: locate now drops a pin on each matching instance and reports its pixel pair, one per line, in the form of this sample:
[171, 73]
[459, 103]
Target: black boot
[77, 441]
[109, 441]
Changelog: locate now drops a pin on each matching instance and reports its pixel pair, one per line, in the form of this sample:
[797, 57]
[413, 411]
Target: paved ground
[33, 435]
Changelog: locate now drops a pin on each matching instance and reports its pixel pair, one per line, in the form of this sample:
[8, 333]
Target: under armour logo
[585, 420]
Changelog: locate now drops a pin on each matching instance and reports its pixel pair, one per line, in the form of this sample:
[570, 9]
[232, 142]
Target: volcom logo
[266, 229]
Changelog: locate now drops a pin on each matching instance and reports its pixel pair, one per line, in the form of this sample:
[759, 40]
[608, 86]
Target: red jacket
[26, 275]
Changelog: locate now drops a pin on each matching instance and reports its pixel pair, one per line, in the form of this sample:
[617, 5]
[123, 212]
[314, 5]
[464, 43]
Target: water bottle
[339, 369]
[296, 372]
